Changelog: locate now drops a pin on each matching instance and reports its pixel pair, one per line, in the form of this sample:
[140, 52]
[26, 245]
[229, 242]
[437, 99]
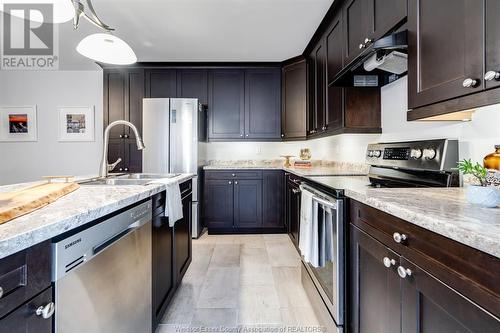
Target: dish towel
[173, 201]
[308, 232]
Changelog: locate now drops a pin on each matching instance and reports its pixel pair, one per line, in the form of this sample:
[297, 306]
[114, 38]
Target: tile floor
[241, 282]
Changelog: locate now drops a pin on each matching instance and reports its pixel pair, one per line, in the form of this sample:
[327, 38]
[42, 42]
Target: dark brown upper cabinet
[446, 51]
[318, 89]
[294, 99]
[355, 28]
[123, 94]
[193, 83]
[366, 21]
[384, 15]
[161, 83]
[334, 54]
[262, 103]
[492, 31]
[227, 104]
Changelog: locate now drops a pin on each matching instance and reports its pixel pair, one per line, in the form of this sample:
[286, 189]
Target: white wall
[477, 137]
[27, 161]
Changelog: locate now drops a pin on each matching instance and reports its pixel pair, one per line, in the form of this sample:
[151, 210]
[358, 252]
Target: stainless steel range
[428, 163]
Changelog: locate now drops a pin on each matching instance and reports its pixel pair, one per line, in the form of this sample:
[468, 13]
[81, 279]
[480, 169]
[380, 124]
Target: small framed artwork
[18, 123]
[76, 124]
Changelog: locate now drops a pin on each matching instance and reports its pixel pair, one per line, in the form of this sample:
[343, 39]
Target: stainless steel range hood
[381, 63]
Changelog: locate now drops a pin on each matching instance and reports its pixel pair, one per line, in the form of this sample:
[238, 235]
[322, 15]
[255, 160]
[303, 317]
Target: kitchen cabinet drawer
[472, 272]
[233, 174]
[25, 320]
[23, 275]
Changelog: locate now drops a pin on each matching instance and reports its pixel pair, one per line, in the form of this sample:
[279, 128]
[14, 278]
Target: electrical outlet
[258, 150]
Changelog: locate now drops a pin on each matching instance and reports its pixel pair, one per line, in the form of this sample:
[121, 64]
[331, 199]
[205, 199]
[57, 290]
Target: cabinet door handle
[45, 311]
[404, 272]
[399, 238]
[241, 135]
[362, 46]
[230, 182]
[247, 135]
[236, 183]
[492, 75]
[368, 41]
[126, 136]
[1, 292]
[389, 262]
[294, 190]
[233, 175]
[120, 169]
[121, 136]
[282, 135]
[470, 83]
[126, 169]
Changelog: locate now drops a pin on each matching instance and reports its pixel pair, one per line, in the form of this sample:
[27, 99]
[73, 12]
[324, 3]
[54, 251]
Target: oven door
[328, 272]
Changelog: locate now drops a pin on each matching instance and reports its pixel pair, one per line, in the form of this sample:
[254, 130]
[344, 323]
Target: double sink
[129, 179]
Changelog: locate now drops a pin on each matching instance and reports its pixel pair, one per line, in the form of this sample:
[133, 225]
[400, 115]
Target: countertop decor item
[492, 161]
[305, 154]
[287, 158]
[23, 201]
[485, 194]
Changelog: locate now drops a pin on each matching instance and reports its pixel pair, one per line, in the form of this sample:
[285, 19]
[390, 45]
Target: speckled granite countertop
[320, 168]
[444, 211]
[84, 205]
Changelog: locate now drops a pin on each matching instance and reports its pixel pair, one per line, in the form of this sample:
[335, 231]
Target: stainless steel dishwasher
[102, 276]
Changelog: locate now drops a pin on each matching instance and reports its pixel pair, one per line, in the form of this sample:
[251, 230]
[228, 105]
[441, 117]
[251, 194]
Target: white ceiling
[201, 30]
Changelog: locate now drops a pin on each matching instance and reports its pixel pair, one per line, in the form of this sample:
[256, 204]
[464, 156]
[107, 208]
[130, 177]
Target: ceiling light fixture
[63, 10]
[101, 47]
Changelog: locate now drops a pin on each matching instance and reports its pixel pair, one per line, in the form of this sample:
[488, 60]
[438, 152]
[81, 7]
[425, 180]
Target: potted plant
[484, 194]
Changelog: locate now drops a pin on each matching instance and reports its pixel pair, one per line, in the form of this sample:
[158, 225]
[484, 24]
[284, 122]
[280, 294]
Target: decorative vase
[305, 154]
[485, 196]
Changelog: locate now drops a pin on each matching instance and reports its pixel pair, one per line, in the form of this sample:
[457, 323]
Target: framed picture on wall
[18, 123]
[76, 123]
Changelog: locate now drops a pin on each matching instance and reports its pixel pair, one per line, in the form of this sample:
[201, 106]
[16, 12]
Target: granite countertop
[444, 211]
[77, 208]
[320, 168]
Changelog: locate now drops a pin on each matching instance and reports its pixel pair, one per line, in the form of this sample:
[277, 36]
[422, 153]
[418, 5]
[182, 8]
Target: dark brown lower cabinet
[182, 239]
[376, 289]
[171, 251]
[238, 201]
[292, 206]
[162, 269]
[25, 320]
[391, 293]
[248, 203]
[273, 199]
[429, 305]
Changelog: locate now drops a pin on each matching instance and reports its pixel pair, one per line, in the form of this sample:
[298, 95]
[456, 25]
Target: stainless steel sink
[129, 179]
[148, 175]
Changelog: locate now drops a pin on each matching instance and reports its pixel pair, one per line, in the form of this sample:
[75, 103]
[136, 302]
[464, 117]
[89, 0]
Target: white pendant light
[106, 48]
[63, 10]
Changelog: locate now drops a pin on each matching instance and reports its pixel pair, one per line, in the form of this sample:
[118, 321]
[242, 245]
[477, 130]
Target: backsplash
[477, 138]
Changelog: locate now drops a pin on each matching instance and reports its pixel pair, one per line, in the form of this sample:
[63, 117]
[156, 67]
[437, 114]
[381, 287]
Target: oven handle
[326, 203]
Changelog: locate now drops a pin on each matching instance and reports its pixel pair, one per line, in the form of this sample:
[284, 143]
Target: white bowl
[485, 196]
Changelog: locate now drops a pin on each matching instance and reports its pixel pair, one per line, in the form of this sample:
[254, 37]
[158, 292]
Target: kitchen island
[87, 248]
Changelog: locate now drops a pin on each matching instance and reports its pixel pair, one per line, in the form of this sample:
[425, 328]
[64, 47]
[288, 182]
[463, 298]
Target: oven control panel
[439, 154]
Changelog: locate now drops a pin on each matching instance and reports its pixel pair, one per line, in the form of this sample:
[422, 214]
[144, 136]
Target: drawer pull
[404, 272]
[389, 262]
[1, 292]
[399, 238]
[45, 311]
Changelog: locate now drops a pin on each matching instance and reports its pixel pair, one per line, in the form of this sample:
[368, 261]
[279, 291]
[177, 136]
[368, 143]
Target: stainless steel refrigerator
[172, 131]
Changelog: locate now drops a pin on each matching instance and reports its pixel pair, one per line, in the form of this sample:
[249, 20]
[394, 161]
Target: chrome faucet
[105, 166]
